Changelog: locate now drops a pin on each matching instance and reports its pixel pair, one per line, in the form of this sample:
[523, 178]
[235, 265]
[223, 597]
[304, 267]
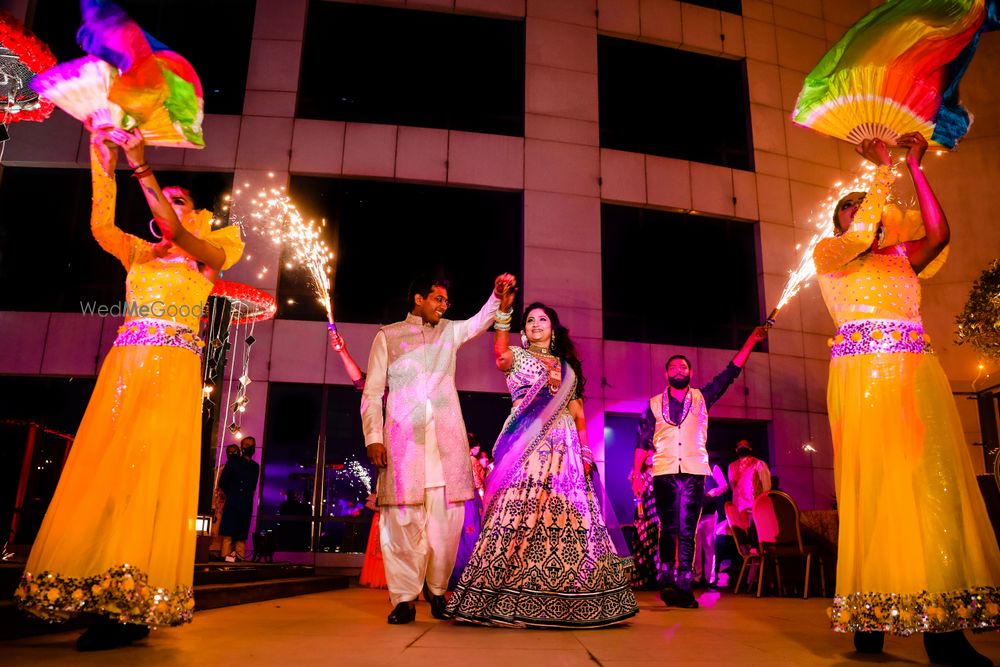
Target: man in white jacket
[419, 443]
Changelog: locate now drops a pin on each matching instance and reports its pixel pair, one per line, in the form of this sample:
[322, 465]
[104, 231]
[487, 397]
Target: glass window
[384, 234]
[38, 418]
[316, 470]
[731, 6]
[49, 261]
[676, 278]
[406, 67]
[679, 104]
[213, 36]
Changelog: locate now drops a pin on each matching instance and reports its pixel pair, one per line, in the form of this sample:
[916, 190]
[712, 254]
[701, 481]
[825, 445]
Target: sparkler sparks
[272, 214]
[361, 473]
[822, 221]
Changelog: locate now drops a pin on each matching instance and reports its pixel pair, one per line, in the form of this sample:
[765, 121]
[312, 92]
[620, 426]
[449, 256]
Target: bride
[544, 557]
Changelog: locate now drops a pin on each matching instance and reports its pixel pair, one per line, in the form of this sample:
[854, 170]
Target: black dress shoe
[676, 597]
[686, 600]
[869, 642]
[405, 612]
[438, 605]
[953, 648]
[669, 595]
[106, 634]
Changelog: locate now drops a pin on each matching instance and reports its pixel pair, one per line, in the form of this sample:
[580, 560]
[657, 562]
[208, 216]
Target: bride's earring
[524, 340]
[552, 342]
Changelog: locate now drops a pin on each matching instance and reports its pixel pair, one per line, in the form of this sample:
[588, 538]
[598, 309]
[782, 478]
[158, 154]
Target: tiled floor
[347, 628]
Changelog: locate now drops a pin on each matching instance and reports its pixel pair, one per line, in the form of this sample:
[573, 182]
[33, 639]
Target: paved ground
[348, 628]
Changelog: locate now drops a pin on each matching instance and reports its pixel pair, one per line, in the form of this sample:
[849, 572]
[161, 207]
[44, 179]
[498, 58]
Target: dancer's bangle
[142, 173]
[137, 167]
[497, 326]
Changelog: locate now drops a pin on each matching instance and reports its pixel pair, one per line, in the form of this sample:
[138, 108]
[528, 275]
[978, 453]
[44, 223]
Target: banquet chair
[741, 538]
[776, 518]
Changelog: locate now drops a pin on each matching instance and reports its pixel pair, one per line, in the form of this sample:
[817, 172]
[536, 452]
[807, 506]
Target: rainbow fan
[129, 80]
[896, 71]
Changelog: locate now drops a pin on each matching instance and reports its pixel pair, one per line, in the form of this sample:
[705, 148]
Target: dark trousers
[679, 498]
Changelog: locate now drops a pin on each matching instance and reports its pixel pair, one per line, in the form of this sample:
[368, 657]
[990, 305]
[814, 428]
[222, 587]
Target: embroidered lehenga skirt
[544, 557]
[646, 547]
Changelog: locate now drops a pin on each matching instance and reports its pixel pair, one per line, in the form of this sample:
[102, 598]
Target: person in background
[238, 482]
[748, 477]
[704, 534]
[373, 570]
[646, 546]
[473, 514]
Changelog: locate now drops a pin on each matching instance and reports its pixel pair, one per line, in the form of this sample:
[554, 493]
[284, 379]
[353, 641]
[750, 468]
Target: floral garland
[35, 55]
[979, 322]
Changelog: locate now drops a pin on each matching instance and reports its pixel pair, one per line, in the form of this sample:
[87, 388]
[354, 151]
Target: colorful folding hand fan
[896, 71]
[150, 86]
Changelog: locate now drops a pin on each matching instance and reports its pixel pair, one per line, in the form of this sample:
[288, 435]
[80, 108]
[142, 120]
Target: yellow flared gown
[118, 538]
[917, 552]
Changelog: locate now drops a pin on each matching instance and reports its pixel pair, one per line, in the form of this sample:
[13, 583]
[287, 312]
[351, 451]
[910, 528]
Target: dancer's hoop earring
[152, 229]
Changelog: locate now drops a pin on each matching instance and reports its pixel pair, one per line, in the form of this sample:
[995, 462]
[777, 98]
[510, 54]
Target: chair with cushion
[776, 519]
[738, 531]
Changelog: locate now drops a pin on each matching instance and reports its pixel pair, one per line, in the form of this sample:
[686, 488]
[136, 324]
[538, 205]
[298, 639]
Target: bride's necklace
[539, 351]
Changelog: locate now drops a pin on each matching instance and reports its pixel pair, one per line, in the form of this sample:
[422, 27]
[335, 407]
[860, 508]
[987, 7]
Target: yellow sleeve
[833, 253]
[228, 240]
[102, 216]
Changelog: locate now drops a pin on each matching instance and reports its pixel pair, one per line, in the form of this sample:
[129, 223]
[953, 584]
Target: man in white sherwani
[420, 444]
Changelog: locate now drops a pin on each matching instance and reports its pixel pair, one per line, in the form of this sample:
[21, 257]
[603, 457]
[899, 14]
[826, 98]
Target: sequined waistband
[879, 336]
[150, 331]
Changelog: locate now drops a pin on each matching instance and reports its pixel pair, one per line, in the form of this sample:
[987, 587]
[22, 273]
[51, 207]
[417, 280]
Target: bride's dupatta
[525, 430]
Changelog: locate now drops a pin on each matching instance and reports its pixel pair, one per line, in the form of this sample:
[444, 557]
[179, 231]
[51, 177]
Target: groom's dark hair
[423, 285]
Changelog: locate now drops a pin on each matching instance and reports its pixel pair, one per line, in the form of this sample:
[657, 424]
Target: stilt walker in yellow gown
[118, 538]
[916, 549]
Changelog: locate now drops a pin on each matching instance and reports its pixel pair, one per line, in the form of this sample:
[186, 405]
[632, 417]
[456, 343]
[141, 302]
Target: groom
[420, 444]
